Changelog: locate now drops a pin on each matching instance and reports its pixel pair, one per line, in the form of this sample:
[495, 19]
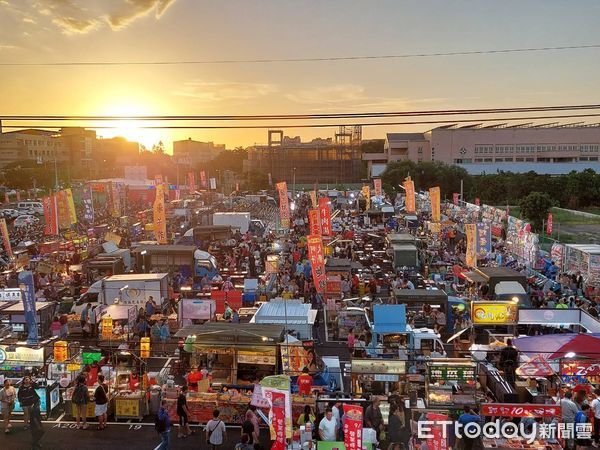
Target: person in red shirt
[193, 378]
[305, 382]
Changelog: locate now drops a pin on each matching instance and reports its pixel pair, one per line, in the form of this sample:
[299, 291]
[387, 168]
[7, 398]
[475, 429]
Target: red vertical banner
[438, 441]
[192, 181]
[325, 216]
[203, 179]
[455, 198]
[353, 426]
[64, 217]
[317, 262]
[237, 187]
[477, 201]
[50, 216]
[284, 205]
[549, 224]
[377, 185]
[278, 418]
[314, 222]
[6, 198]
[409, 189]
[6, 238]
[18, 195]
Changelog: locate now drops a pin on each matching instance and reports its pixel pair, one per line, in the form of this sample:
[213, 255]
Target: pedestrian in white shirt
[216, 432]
[328, 427]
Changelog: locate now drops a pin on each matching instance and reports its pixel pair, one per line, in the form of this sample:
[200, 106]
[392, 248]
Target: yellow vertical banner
[6, 238]
[434, 195]
[366, 192]
[471, 252]
[64, 217]
[160, 223]
[284, 205]
[71, 206]
[313, 199]
[409, 188]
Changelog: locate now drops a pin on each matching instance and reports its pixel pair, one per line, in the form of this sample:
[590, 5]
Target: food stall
[296, 315]
[451, 383]
[12, 313]
[18, 359]
[235, 353]
[377, 376]
[131, 382]
[115, 323]
[585, 259]
[192, 311]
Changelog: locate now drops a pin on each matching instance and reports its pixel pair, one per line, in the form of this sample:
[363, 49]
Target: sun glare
[132, 130]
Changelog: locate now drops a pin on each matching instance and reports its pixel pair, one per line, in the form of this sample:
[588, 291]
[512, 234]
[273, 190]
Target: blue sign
[483, 239]
[26, 285]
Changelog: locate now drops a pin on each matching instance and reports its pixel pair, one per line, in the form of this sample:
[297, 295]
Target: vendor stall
[12, 313]
[296, 316]
[377, 376]
[194, 311]
[116, 323]
[451, 382]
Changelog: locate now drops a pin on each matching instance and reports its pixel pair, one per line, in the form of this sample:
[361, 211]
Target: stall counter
[49, 396]
[130, 405]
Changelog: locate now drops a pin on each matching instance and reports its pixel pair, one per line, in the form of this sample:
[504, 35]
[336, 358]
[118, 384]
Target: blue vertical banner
[88, 204]
[26, 285]
[484, 239]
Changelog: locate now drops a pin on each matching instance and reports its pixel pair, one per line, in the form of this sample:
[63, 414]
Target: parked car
[9, 213]
[25, 220]
[29, 207]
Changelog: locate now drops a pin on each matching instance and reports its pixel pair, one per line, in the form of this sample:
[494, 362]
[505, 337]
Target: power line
[318, 125]
[300, 60]
[442, 112]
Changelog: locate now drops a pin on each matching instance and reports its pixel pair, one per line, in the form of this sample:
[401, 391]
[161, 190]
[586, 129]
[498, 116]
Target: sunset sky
[35, 31]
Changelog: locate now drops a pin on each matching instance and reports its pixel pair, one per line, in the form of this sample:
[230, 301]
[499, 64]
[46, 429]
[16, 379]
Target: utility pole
[461, 191]
[55, 171]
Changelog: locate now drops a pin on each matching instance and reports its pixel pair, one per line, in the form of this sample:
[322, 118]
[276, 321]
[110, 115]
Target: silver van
[30, 207]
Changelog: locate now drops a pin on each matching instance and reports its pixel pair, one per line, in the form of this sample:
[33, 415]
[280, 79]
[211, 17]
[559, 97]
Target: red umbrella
[582, 345]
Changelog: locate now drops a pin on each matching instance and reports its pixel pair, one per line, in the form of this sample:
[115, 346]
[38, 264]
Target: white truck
[128, 289]
[240, 220]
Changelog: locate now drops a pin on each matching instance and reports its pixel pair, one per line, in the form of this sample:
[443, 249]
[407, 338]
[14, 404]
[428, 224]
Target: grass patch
[565, 217]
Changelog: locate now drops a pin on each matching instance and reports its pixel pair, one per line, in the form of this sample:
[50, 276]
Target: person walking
[328, 427]
[374, 418]
[252, 418]
[183, 413]
[8, 395]
[80, 400]
[395, 428]
[216, 432]
[101, 401]
[27, 397]
[37, 428]
[162, 424]
[595, 406]
[164, 336]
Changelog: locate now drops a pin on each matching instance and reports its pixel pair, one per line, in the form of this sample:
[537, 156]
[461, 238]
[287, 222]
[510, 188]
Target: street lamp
[294, 183]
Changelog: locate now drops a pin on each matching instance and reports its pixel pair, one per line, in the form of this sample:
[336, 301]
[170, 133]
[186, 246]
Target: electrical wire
[443, 112]
[300, 60]
[318, 125]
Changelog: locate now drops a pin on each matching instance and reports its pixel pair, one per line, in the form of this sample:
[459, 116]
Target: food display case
[48, 392]
[377, 375]
[90, 413]
[450, 382]
[130, 405]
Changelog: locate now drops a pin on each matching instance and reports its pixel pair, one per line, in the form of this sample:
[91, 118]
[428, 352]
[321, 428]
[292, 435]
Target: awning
[474, 277]
[454, 336]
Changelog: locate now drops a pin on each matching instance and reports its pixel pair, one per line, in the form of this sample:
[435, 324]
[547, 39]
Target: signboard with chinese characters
[284, 205]
[451, 372]
[580, 371]
[409, 188]
[434, 195]
[439, 439]
[494, 313]
[10, 294]
[21, 356]
[317, 262]
[484, 239]
[471, 251]
[353, 426]
[314, 222]
[520, 410]
[325, 216]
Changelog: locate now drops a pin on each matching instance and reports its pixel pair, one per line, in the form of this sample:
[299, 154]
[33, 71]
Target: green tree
[257, 181]
[372, 146]
[535, 208]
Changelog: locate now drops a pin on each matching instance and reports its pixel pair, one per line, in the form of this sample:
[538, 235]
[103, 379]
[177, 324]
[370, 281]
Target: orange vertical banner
[6, 238]
[284, 205]
[325, 216]
[160, 223]
[409, 188]
[314, 222]
[434, 196]
[313, 198]
[317, 262]
[471, 252]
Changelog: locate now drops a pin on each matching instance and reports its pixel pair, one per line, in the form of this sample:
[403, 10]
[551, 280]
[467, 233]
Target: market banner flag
[314, 222]
[88, 204]
[455, 198]
[409, 188]
[439, 440]
[366, 192]
[278, 384]
[115, 194]
[192, 181]
[534, 368]
[471, 252]
[325, 216]
[549, 224]
[317, 262]
[64, 217]
[50, 216]
[313, 198]
[160, 223]
[377, 185]
[278, 420]
[71, 206]
[284, 205]
[25, 280]
[353, 426]
[6, 238]
[18, 195]
[484, 239]
[203, 179]
[434, 195]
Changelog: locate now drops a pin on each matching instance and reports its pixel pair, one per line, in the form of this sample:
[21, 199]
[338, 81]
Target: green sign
[324, 445]
[90, 357]
[452, 373]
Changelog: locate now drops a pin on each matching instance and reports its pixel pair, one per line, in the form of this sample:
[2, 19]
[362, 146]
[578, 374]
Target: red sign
[192, 181]
[549, 224]
[234, 298]
[477, 201]
[317, 262]
[520, 410]
[377, 185]
[6, 198]
[325, 215]
[203, 178]
[438, 441]
[314, 222]
[50, 216]
[353, 426]
[580, 368]
[278, 418]
[535, 367]
[455, 198]
[284, 205]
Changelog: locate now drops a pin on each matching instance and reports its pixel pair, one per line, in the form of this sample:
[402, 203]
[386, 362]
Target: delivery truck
[186, 259]
[239, 221]
[126, 289]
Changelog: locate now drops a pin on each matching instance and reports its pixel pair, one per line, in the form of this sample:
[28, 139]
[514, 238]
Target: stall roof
[17, 307]
[389, 319]
[138, 276]
[509, 287]
[166, 248]
[338, 264]
[292, 312]
[474, 277]
[493, 272]
[227, 334]
[422, 295]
